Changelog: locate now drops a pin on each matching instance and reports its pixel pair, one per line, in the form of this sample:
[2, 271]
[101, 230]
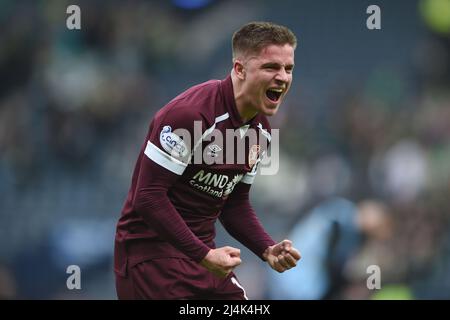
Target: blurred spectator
[8, 288]
[328, 237]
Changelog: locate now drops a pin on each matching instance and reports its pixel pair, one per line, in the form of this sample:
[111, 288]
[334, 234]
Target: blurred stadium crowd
[364, 137]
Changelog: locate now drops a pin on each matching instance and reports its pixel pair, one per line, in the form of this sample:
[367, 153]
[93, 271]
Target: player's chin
[270, 109]
[270, 112]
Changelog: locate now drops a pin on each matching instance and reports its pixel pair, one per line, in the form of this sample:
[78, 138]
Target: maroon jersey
[188, 174]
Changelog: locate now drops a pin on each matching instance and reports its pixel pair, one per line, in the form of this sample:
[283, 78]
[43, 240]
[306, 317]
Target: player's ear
[239, 69]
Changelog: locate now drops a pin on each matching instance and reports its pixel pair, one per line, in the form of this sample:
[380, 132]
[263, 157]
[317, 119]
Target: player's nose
[282, 76]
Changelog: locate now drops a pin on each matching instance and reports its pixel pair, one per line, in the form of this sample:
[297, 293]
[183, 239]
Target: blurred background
[364, 177]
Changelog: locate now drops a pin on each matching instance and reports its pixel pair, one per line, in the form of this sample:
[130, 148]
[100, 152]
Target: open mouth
[274, 94]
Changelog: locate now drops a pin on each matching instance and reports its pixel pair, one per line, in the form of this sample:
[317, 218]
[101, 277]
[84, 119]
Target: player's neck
[242, 105]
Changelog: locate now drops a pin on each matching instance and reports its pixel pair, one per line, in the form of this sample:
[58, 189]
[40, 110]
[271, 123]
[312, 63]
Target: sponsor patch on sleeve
[172, 143]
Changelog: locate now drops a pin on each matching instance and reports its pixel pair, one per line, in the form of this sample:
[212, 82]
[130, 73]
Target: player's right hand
[222, 261]
[282, 256]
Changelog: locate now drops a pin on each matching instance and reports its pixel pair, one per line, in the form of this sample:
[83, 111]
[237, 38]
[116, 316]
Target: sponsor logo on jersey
[217, 185]
[213, 150]
[230, 185]
[172, 143]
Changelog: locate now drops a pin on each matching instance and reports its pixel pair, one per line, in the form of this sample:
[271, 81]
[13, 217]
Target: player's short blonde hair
[254, 36]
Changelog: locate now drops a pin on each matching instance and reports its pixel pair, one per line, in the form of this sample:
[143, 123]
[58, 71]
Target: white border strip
[264, 132]
[235, 282]
[225, 116]
[218, 119]
[248, 178]
[163, 159]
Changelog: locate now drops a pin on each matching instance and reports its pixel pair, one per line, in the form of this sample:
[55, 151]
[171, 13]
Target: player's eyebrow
[271, 65]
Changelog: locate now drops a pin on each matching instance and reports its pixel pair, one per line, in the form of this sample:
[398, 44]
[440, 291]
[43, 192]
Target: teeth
[276, 90]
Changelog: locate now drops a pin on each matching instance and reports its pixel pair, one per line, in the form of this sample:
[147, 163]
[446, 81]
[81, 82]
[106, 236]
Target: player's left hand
[282, 256]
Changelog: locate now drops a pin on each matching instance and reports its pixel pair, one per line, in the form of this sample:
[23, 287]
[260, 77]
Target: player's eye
[271, 67]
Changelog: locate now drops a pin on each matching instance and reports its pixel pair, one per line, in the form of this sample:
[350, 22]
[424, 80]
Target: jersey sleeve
[238, 216]
[152, 203]
[241, 222]
[166, 155]
[172, 137]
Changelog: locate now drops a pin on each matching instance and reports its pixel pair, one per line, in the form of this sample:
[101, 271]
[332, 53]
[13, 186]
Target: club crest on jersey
[172, 143]
[253, 155]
